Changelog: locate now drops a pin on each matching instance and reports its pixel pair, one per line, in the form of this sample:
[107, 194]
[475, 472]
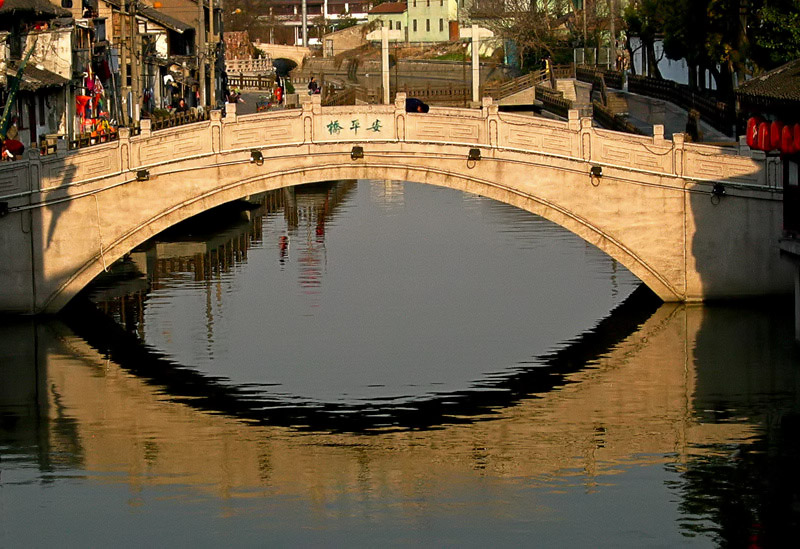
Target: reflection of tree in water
[750, 491]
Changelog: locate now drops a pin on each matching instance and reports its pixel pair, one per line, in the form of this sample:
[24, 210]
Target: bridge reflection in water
[636, 402]
[683, 388]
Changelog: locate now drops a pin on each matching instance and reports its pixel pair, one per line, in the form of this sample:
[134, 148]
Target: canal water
[371, 362]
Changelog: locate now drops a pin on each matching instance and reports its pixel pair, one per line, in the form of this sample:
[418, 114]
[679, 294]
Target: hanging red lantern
[763, 143]
[787, 140]
[1, 3]
[796, 137]
[775, 134]
[752, 130]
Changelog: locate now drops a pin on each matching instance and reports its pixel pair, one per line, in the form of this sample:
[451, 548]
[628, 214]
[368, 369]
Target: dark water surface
[357, 363]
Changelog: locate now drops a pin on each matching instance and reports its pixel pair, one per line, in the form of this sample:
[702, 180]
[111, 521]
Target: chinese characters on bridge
[335, 127]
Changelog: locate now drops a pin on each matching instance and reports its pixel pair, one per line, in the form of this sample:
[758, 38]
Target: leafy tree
[776, 34]
[645, 19]
[536, 27]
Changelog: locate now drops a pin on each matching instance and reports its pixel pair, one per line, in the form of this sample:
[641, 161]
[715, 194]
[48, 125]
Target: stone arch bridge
[692, 221]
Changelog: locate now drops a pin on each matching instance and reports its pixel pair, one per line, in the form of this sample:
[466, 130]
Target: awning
[162, 19]
[34, 78]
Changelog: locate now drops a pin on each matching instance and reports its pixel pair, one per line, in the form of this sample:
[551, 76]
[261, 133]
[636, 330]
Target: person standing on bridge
[313, 87]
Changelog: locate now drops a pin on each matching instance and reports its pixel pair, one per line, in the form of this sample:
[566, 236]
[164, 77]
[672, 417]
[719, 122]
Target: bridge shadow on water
[183, 384]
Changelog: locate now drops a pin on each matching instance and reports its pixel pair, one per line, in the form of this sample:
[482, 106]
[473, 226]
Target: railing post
[490, 111]
[400, 116]
[215, 117]
[586, 137]
[145, 127]
[679, 148]
[124, 148]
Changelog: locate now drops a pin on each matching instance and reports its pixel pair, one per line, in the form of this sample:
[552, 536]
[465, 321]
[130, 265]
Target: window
[415, 3]
[441, 2]
[429, 3]
[398, 26]
[441, 25]
[427, 25]
[415, 25]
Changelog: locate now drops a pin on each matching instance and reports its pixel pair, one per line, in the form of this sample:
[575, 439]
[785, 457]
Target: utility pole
[201, 50]
[585, 33]
[612, 27]
[135, 71]
[123, 65]
[213, 55]
[305, 23]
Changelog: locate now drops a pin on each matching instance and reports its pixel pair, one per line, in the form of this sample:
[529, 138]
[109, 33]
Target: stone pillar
[586, 138]
[490, 111]
[230, 112]
[385, 64]
[678, 142]
[145, 127]
[400, 116]
[658, 134]
[215, 116]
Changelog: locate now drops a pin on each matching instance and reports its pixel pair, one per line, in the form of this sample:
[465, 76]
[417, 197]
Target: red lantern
[775, 134]
[1, 3]
[796, 137]
[763, 143]
[752, 130]
[787, 140]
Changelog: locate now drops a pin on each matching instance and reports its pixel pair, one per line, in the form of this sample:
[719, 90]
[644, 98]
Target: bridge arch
[297, 175]
[646, 208]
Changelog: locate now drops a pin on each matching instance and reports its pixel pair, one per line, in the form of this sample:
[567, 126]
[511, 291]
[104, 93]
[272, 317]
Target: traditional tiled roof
[781, 84]
[163, 19]
[39, 9]
[388, 7]
[34, 78]
[156, 16]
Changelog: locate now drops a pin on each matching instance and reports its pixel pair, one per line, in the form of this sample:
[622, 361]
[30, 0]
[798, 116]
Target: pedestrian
[415, 105]
[313, 87]
[182, 107]
[693, 133]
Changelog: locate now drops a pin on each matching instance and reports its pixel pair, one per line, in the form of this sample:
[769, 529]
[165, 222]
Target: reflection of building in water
[204, 248]
[308, 209]
[387, 193]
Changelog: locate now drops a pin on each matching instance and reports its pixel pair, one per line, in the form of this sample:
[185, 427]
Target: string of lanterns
[768, 136]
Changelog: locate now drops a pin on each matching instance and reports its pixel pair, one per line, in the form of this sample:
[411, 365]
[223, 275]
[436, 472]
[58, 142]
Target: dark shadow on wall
[735, 248]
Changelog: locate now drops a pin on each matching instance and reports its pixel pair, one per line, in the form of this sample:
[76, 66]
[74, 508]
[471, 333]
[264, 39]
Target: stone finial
[486, 101]
[658, 133]
[230, 110]
[400, 100]
[145, 126]
[574, 119]
[215, 115]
